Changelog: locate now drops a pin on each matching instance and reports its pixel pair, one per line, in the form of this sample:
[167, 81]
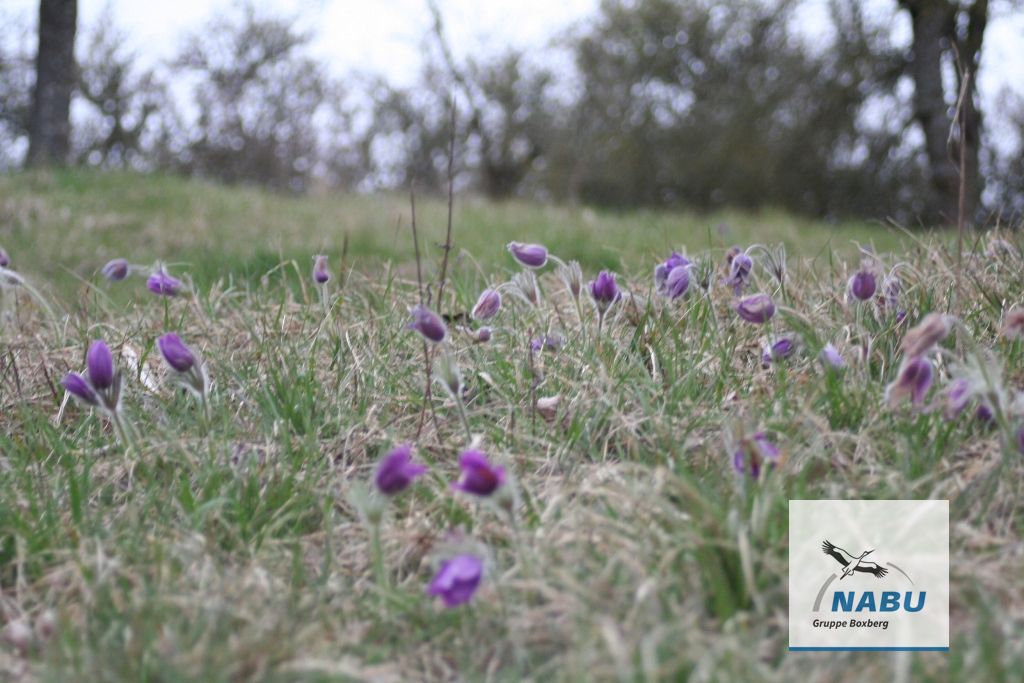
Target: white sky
[386, 36]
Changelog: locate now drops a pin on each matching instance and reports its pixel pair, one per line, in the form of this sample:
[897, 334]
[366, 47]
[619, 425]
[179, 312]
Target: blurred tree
[50, 125]
[17, 76]
[258, 98]
[945, 33]
[123, 101]
[713, 104]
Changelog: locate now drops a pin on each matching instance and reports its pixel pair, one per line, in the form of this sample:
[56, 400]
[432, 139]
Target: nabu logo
[866, 601]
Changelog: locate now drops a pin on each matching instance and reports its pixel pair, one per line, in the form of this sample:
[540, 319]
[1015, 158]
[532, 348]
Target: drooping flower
[5, 259]
[604, 290]
[831, 357]
[321, 271]
[913, 382]
[174, 351]
[116, 270]
[862, 285]
[479, 477]
[187, 367]
[102, 386]
[428, 324]
[100, 363]
[79, 387]
[397, 471]
[921, 339]
[457, 580]
[529, 255]
[663, 270]
[483, 335]
[757, 308]
[487, 306]
[755, 453]
[780, 349]
[162, 284]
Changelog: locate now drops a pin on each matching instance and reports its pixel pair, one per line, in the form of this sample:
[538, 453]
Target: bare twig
[448, 236]
[427, 365]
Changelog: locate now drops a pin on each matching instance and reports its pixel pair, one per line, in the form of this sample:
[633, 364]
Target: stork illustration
[853, 563]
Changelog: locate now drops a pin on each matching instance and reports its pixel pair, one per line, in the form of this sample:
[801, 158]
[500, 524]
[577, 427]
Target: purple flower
[174, 351]
[321, 272]
[757, 308]
[604, 290]
[482, 335]
[548, 342]
[428, 324]
[529, 255]
[783, 348]
[5, 260]
[957, 395]
[677, 282]
[100, 363]
[740, 268]
[831, 358]
[79, 387]
[984, 413]
[913, 381]
[162, 284]
[662, 270]
[862, 285]
[479, 477]
[397, 470]
[116, 270]
[754, 453]
[487, 306]
[457, 580]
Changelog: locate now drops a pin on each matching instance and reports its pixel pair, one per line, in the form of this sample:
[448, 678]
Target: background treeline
[654, 102]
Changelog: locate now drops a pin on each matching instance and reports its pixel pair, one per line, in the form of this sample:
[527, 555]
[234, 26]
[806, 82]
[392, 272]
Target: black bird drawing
[853, 563]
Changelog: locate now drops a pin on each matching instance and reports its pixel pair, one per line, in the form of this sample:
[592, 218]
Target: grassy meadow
[231, 543]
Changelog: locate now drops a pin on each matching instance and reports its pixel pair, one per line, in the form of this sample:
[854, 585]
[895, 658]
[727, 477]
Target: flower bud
[100, 364]
[321, 272]
[529, 255]
[604, 290]
[757, 308]
[162, 284]
[116, 270]
[428, 324]
[177, 355]
[862, 285]
[487, 306]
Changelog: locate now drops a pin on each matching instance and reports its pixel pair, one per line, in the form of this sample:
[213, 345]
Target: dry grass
[230, 551]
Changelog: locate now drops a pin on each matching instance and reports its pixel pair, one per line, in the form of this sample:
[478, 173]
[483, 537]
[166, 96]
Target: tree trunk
[50, 127]
[935, 33]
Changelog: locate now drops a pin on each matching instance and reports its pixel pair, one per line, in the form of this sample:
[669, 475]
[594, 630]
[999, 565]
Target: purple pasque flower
[831, 358]
[780, 349]
[102, 387]
[740, 268]
[756, 308]
[397, 470]
[755, 453]
[174, 351]
[457, 580]
[479, 477]
[956, 397]
[677, 282]
[547, 342]
[529, 255]
[162, 284]
[604, 290]
[321, 271]
[187, 367]
[80, 388]
[487, 305]
[483, 335]
[5, 259]
[913, 381]
[116, 270]
[862, 285]
[100, 363]
[428, 324]
[662, 270]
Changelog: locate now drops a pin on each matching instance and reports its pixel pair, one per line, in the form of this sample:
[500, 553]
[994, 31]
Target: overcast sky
[385, 36]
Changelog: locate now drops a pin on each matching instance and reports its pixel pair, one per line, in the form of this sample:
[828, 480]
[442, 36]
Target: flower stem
[378, 559]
